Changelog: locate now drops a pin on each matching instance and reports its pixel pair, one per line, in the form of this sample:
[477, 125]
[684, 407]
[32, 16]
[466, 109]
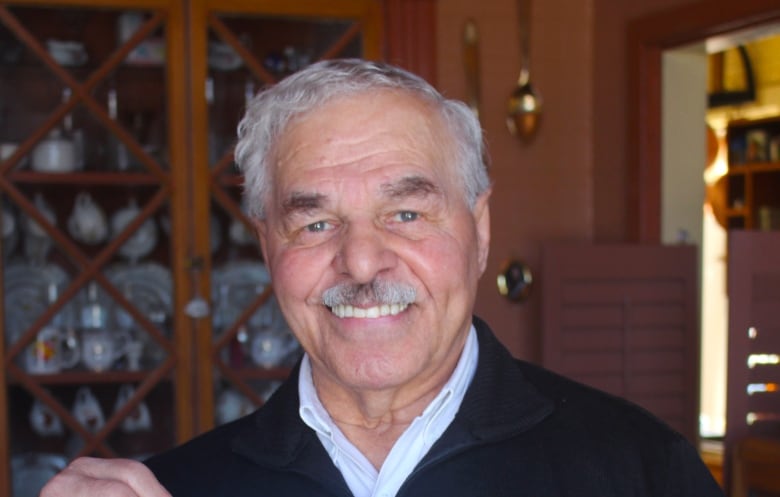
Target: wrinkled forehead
[376, 129]
[365, 123]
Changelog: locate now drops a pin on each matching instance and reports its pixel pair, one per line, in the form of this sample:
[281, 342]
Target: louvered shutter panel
[624, 319]
[753, 395]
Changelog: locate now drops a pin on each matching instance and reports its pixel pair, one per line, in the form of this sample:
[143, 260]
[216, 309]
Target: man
[370, 200]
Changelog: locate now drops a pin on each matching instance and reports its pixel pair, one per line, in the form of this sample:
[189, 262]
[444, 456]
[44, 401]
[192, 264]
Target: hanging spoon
[524, 110]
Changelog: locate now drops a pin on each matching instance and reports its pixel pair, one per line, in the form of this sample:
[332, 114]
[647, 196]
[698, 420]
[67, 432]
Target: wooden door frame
[648, 37]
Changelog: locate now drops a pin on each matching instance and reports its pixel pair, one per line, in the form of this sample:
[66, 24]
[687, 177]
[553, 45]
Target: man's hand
[93, 477]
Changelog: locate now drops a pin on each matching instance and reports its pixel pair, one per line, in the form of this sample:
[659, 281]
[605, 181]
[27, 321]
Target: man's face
[364, 192]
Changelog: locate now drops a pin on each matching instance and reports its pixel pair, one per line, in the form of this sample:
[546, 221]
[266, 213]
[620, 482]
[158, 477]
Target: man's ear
[481, 213]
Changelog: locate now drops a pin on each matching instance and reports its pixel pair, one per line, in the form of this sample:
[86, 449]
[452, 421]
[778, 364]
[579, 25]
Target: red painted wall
[569, 183]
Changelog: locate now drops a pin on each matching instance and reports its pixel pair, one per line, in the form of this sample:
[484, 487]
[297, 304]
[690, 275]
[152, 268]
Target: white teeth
[348, 311]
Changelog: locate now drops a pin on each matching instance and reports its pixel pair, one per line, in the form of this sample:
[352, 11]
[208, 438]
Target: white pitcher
[87, 222]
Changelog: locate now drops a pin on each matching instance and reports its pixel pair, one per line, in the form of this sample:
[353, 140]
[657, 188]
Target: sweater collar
[500, 401]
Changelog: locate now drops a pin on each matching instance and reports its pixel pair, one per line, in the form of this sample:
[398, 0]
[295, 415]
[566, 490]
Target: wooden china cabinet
[135, 310]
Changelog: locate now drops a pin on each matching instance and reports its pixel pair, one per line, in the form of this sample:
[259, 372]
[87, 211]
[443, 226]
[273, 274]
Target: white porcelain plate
[148, 286]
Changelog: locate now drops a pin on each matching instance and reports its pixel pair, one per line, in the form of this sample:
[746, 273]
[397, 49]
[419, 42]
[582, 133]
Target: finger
[94, 477]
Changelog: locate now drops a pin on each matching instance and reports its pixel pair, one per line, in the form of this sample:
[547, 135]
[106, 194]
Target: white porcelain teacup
[48, 354]
[139, 419]
[87, 410]
[101, 348]
[44, 420]
[87, 222]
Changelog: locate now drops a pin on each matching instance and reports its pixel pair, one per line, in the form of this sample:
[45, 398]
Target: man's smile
[377, 311]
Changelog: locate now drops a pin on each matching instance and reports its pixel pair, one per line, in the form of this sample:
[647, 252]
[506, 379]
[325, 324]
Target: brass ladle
[524, 110]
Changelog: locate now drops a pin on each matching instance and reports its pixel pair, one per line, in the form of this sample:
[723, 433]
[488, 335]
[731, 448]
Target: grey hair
[270, 111]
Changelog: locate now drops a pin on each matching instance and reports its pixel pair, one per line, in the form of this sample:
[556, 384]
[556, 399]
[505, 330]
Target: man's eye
[407, 216]
[317, 227]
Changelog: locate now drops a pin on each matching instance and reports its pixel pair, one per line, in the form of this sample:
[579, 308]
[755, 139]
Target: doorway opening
[693, 180]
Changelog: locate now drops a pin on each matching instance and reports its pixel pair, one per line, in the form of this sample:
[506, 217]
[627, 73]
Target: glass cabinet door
[87, 193]
[136, 310]
[244, 47]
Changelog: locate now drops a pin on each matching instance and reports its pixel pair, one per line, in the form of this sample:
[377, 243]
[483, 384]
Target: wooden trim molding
[648, 37]
[410, 27]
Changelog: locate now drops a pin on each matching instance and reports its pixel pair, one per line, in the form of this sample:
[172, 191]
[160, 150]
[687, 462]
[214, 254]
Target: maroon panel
[763, 374]
[575, 365]
[658, 360]
[593, 339]
[645, 290]
[659, 337]
[764, 402]
[595, 316]
[411, 35]
[650, 314]
[659, 383]
[668, 407]
[609, 383]
[624, 319]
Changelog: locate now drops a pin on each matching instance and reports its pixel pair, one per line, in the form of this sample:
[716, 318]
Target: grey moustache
[374, 293]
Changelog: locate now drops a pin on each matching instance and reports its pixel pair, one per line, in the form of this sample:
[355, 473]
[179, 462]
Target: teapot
[143, 240]
[54, 154]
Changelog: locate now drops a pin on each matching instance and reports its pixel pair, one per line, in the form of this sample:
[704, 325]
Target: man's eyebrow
[302, 202]
[410, 186]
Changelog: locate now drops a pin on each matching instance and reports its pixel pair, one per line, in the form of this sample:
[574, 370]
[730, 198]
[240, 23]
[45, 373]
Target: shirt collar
[314, 414]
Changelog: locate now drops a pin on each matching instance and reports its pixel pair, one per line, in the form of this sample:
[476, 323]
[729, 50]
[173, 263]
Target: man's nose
[364, 253]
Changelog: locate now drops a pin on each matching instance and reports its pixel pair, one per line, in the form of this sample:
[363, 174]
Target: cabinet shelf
[753, 167]
[118, 377]
[735, 212]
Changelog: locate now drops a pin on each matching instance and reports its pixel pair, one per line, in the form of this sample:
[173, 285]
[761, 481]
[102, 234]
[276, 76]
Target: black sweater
[521, 431]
